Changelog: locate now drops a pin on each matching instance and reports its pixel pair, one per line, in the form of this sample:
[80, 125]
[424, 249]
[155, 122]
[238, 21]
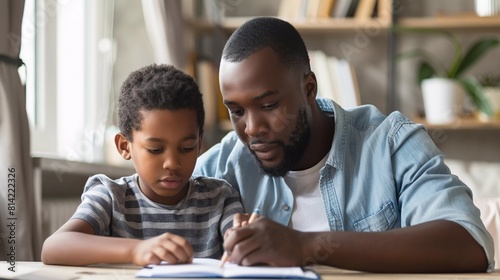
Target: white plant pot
[443, 100]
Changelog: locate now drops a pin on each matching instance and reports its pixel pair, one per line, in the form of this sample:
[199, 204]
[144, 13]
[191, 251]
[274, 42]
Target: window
[68, 50]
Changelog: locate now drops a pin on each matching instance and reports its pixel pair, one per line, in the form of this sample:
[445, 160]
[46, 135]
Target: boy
[161, 213]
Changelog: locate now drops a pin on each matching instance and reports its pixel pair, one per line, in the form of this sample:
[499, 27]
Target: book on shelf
[224, 121]
[357, 97]
[320, 9]
[312, 8]
[336, 79]
[384, 9]
[365, 9]
[216, 113]
[348, 85]
[210, 268]
[292, 9]
[299, 10]
[305, 9]
[325, 8]
[319, 65]
[341, 8]
[332, 62]
[353, 6]
[207, 81]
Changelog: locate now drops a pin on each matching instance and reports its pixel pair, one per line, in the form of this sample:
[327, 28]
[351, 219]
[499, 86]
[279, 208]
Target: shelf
[55, 177]
[462, 124]
[466, 22]
[62, 166]
[316, 26]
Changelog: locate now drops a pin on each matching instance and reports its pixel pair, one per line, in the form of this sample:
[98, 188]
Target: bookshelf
[205, 26]
[308, 27]
[465, 25]
[375, 14]
[459, 23]
[387, 16]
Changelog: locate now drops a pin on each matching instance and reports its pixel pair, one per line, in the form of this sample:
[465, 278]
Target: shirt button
[285, 207]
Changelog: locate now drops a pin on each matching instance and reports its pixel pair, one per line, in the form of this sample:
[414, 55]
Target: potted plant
[491, 88]
[444, 87]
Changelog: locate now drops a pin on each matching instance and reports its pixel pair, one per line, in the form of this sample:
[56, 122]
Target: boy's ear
[123, 146]
[200, 141]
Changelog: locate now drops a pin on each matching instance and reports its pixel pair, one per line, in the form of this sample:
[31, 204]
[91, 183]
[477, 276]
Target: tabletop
[37, 271]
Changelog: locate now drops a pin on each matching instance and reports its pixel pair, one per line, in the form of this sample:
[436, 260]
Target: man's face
[269, 109]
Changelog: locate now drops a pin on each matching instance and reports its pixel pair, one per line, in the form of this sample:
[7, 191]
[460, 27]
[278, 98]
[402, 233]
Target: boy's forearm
[75, 248]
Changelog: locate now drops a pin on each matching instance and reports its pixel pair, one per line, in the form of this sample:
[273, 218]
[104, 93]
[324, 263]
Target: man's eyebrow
[262, 96]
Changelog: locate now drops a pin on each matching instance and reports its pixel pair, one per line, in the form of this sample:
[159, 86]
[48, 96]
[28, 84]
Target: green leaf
[457, 55]
[476, 93]
[430, 60]
[476, 52]
[425, 71]
[447, 72]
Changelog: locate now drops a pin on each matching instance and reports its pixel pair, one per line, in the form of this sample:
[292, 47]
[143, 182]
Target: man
[352, 189]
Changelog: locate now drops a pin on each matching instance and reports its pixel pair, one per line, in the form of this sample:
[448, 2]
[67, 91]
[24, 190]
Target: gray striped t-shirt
[119, 208]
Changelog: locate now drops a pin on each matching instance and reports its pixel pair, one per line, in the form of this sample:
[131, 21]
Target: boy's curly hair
[153, 87]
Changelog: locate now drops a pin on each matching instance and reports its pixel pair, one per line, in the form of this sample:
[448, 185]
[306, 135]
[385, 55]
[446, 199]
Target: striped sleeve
[232, 205]
[96, 207]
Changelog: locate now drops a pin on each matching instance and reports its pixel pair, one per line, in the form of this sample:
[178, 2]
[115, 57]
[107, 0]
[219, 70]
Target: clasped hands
[262, 242]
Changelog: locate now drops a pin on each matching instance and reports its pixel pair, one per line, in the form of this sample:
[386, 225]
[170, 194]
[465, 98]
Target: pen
[255, 215]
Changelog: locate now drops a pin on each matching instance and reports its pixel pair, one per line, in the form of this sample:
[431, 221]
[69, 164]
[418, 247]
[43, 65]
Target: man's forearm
[437, 246]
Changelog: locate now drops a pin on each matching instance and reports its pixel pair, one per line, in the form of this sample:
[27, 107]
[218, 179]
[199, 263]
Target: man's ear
[123, 146]
[311, 86]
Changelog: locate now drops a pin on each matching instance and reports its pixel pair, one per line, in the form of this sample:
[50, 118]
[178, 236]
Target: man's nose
[255, 125]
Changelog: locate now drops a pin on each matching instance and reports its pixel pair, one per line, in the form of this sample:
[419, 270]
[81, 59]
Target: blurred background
[77, 53]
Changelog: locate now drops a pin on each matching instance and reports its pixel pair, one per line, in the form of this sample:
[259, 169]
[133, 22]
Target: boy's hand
[166, 247]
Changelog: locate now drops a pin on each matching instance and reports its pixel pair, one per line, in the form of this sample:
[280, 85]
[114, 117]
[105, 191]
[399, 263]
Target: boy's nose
[171, 163]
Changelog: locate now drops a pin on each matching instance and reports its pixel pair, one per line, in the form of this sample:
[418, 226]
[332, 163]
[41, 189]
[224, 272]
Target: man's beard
[292, 152]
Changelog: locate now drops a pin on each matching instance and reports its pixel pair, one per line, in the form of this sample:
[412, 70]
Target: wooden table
[37, 271]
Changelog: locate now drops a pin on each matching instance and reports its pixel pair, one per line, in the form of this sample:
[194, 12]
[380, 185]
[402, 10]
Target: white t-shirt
[308, 210]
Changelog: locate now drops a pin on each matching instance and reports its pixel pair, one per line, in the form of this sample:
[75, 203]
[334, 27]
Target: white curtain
[18, 217]
[165, 27]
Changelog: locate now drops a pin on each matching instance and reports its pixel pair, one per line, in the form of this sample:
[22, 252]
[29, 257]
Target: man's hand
[166, 247]
[264, 242]
[239, 220]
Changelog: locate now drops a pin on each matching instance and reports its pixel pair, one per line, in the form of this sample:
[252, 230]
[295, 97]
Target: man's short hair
[263, 32]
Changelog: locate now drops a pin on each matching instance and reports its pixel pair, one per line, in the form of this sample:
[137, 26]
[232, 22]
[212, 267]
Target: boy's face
[164, 153]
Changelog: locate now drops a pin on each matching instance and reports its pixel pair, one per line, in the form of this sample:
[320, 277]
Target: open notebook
[209, 268]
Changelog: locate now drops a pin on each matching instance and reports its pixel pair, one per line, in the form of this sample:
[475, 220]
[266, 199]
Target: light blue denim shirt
[383, 172]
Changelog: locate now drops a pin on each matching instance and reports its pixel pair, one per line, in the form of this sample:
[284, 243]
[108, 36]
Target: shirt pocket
[382, 220]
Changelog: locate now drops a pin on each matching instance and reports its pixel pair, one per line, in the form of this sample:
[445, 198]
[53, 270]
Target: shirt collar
[337, 152]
